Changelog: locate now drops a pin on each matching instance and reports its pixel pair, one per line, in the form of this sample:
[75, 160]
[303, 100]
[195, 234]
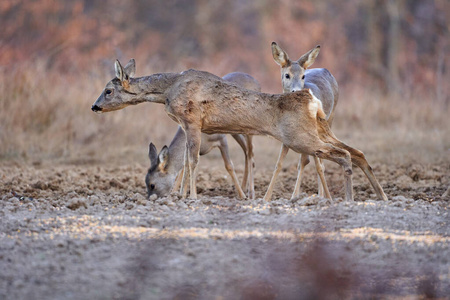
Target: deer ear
[120, 74]
[280, 56]
[130, 68]
[163, 158]
[152, 155]
[309, 57]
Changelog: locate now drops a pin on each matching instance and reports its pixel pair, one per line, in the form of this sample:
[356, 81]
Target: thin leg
[357, 156]
[361, 162]
[342, 157]
[304, 160]
[241, 141]
[177, 183]
[251, 167]
[229, 166]
[323, 187]
[184, 181]
[193, 142]
[320, 190]
[284, 150]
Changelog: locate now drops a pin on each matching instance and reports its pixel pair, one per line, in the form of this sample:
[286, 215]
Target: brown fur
[236, 110]
[294, 77]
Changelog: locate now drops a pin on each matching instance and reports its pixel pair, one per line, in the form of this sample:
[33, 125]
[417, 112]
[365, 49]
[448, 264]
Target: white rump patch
[315, 107]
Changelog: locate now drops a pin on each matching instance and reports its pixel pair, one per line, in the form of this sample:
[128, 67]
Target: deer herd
[207, 107]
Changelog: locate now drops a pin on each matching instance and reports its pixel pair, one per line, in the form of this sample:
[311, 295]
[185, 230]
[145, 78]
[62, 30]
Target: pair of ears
[279, 55]
[282, 59]
[161, 160]
[124, 74]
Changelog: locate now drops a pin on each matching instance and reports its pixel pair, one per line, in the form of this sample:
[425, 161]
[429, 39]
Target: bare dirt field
[74, 219]
[86, 231]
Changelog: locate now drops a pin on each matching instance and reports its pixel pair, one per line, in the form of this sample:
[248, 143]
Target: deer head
[118, 93]
[293, 72]
[159, 180]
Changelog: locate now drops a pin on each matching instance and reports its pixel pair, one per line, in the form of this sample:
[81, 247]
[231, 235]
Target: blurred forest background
[390, 58]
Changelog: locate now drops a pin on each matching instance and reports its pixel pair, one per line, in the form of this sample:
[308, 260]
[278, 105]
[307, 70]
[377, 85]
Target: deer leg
[320, 188]
[359, 160]
[229, 166]
[343, 158]
[240, 140]
[251, 167]
[177, 184]
[304, 160]
[185, 170]
[357, 156]
[193, 142]
[284, 150]
[322, 184]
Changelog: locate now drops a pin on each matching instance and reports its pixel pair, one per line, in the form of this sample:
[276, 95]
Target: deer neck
[152, 88]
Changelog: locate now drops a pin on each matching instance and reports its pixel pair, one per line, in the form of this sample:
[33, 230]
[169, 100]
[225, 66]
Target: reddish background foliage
[393, 45]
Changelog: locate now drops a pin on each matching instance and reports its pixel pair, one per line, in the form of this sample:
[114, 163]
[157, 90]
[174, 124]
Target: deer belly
[232, 124]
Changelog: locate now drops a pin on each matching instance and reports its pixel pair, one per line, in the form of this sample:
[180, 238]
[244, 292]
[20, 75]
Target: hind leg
[342, 157]
[359, 160]
[357, 156]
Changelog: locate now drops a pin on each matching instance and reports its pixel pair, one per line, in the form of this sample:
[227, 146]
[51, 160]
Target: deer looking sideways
[162, 176]
[295, 76]
[202, 102]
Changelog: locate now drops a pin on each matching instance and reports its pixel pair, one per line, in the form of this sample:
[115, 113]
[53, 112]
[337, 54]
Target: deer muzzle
[96, 108]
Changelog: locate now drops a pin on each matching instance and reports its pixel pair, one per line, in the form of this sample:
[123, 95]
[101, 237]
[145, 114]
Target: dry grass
[46, 117]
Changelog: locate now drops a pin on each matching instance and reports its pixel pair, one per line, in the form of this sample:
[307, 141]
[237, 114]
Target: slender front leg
[284, 150]
[251, 166]
[304, 160]
[229, 167]
[193, 141]
[241, 141]
[185, 170]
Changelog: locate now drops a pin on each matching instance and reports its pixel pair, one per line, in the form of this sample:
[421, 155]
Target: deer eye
[108, 92]
[303, 77]
[287, 76]
[152, 186]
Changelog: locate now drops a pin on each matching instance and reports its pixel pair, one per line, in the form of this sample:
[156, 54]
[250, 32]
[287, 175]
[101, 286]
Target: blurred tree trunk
[394, 7]
[375, 40]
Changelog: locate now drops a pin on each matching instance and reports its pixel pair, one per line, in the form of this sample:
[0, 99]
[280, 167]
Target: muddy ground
[88, 232]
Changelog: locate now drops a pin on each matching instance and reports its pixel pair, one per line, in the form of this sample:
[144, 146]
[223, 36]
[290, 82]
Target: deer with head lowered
[202, 102]
[295, 76]
[163, 176]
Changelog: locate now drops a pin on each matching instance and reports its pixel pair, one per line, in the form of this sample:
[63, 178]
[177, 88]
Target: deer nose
[96, 108]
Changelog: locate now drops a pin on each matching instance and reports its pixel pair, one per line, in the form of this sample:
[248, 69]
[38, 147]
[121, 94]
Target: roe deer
[202, 102]
[162, 176]
[295, 76]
